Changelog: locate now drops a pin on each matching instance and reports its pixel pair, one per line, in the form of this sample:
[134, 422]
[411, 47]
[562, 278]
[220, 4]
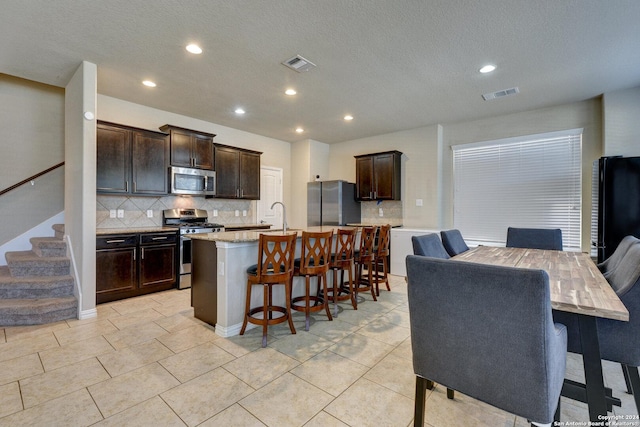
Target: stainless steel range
[189, 221]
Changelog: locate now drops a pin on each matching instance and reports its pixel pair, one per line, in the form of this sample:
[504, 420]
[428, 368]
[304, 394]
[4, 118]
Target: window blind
[532, 181]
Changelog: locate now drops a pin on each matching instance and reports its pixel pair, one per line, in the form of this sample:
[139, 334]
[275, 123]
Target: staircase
[35, 285]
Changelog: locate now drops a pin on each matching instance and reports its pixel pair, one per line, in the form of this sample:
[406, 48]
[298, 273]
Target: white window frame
[532, 181]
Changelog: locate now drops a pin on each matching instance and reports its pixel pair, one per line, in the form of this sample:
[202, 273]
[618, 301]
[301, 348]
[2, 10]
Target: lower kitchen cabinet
[129, 265]
[158, 253]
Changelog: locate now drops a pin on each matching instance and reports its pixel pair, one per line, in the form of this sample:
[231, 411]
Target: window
[532, 181]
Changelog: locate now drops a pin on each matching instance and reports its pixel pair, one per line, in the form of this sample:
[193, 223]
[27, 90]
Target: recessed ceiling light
[348, 117]
[487, 68]
[240, 111]
[194, 48]
[299, 130]
[149, 83]
[290, 92]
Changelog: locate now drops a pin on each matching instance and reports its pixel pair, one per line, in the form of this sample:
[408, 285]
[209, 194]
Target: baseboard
[88, 314]
[232, 330]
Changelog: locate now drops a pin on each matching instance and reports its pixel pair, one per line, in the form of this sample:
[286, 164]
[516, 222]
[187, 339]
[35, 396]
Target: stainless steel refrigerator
[617, 202]
[332, 203]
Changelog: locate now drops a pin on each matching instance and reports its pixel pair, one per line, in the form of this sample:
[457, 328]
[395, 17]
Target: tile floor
[148, 362]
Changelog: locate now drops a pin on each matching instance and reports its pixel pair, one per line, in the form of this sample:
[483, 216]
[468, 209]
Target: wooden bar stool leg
[307, 302]
[355, 287]
[354, 301]
[385, 264]
[247, 307]
[322, 279]
[335, 292]
[265, 310]
[370, 275]
[287, 296]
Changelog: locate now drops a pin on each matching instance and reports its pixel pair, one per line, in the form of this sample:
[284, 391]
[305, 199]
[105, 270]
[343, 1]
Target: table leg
[594, 381]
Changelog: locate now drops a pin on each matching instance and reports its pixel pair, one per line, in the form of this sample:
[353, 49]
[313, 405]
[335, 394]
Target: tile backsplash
[135, 210]
[391, 212]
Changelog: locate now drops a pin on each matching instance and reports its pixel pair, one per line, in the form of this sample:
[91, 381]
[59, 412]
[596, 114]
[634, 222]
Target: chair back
[315, 254]
[276, 254]
[487, 331]
[345, 247]
[367, 240]
[612, 262]
[383, 241]
[534, 238]
[429, 245]
[453, 242]
[626, 272]
[619, 341]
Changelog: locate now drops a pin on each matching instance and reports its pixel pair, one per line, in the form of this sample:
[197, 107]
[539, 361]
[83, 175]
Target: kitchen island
[219, 277]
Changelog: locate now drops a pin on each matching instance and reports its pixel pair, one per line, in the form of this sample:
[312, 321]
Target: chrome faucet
[284, 215]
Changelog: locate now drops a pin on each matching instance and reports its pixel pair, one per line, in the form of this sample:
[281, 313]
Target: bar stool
[364, 259]
[381, 259]
[276, 255]
[342, 260]
[315, 257]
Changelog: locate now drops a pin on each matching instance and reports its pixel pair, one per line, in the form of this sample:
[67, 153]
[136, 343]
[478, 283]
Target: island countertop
[254, 236]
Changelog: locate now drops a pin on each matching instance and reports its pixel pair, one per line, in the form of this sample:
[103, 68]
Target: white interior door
[270, 191]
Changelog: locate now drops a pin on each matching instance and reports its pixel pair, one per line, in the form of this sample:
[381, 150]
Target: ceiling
[393, 65]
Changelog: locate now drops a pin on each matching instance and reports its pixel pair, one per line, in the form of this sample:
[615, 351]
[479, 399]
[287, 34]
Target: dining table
[576, 286]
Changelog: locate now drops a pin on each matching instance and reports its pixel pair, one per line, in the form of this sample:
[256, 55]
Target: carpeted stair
[35, 285]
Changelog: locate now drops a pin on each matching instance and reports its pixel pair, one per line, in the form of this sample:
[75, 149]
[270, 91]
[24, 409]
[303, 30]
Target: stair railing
[31, 178]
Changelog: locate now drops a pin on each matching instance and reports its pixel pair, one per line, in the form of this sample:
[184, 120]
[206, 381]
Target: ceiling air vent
[299, 64]
[500, 93]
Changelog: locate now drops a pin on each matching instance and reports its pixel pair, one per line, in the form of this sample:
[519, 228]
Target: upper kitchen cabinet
[237, 173]
[378, 176]
[190, 148]
[131, 160]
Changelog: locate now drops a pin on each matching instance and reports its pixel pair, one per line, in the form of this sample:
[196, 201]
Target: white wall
[622, 123]
[308, 159]
[80, 181]
[420, 169]
[22, 243]
[32, 123]
[586, 114]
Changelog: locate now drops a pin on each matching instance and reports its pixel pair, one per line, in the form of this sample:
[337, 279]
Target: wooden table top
[576, 284]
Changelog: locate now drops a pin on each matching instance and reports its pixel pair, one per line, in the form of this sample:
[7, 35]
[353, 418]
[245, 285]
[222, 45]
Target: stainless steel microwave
[194, 182]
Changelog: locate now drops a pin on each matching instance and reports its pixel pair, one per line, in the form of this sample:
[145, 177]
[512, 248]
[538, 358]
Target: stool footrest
[251, 318]
[318, 303]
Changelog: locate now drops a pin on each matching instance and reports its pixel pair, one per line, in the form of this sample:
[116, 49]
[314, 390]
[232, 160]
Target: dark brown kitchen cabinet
[128, 265]
[378, 176]
[237, 173]
[131, 160]
[116, 267]
[158, 254]
[190, 148]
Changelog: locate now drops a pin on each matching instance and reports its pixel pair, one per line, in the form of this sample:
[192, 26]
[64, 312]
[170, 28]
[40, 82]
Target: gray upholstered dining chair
[453, 242]
[486, 331]
[609, 264]
[619, 341]
[534, 238]
[429, 245]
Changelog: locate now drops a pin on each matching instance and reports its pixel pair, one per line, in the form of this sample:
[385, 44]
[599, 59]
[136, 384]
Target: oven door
[185, 262]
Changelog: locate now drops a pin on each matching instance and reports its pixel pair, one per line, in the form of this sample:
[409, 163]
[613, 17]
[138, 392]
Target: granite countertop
[133, 230]
[253, 236]
[394, 224]
[248, 226]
